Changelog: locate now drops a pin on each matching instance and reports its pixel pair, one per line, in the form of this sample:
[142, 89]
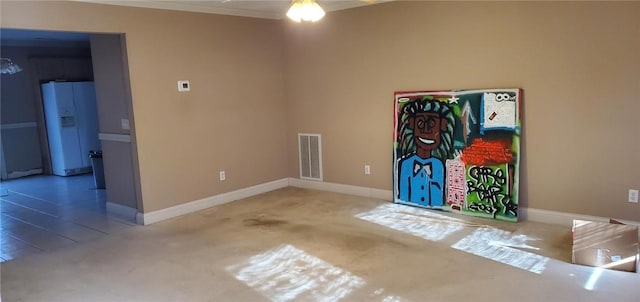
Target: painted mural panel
[458, 151]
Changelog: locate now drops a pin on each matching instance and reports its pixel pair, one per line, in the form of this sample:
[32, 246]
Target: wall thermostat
[183, 86]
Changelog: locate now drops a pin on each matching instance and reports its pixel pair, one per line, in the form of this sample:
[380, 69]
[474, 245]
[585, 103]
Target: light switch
[184, 86]
[125, 124]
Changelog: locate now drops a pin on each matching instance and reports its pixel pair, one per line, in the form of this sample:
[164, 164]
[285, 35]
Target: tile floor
[42, 213]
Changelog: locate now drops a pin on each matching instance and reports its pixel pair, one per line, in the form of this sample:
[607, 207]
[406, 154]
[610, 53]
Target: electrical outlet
[124, 123]
[367, 169]
[223, 175]
[633, 196]
[184, 86]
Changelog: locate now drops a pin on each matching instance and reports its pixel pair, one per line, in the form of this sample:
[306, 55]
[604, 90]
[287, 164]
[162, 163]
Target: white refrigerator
[71, 116]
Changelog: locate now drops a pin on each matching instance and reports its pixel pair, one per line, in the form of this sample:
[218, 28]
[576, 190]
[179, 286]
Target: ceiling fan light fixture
[305, 10]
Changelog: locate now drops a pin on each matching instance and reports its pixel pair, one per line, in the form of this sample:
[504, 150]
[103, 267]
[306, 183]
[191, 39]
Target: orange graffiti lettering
[484, 153]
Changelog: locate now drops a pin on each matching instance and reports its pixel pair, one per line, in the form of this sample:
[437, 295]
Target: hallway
[43, 213]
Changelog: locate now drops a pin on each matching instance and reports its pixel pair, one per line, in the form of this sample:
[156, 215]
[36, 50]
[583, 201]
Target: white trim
[119, 210]
[192, 7]
[340, 188]
[217, 7]
[562, 218]
[124, 138]
[18, 174]
[538, 215]
[18, 125]
[211, 201]
[300, 156]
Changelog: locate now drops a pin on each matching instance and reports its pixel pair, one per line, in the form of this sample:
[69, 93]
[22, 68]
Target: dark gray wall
[114, 105]
[24, 137]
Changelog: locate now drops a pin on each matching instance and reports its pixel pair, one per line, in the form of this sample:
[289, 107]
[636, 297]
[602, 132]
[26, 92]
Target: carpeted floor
[303, 245]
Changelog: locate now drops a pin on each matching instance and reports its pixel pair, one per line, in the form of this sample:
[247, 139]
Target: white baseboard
[545, 216]
[538, 215]
[201, 204]
[18, 174]
[562, 218]
[118, 210]
[340, 188]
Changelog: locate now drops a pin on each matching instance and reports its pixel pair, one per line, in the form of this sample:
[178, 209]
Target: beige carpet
[303, 245]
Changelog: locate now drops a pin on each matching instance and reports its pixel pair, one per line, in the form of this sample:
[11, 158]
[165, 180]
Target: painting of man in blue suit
[426, 129]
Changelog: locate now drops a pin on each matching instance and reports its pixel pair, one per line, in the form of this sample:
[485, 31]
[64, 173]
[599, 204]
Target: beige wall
[234, 117]
[578, 63]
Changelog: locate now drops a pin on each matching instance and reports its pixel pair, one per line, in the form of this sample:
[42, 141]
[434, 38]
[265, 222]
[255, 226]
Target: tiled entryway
[41, 213]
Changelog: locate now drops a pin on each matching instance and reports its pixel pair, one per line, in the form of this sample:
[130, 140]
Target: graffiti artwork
[458, 151]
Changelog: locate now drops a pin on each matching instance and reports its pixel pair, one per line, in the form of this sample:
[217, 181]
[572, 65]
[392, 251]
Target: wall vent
[310, 154]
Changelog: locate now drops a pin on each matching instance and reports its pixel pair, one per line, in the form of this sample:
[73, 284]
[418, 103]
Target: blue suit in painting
[421, 181]
[426, 128]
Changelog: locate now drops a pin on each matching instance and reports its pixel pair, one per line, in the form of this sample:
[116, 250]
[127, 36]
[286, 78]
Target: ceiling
[269, 9]
[43, 38]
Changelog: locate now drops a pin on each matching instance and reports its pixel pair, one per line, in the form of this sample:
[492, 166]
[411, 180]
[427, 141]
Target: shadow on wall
[523, 190]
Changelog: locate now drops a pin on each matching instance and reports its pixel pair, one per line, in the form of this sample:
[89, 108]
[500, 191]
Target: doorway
[41, 211]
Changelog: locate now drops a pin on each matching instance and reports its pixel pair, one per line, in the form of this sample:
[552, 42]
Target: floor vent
[310, 154]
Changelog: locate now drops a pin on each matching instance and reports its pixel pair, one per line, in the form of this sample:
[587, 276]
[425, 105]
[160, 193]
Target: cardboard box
[608, 245]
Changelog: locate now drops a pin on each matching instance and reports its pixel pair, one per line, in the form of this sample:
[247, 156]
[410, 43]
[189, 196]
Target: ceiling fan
[305, 10]
[308, 10]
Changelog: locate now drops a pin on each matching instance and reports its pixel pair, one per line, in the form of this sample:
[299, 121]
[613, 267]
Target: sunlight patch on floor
[287, 273]
[485, 241]
[593, 279]
[415, 221]
[502, 246]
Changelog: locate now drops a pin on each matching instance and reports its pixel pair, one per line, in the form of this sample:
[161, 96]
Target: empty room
[372, 151]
